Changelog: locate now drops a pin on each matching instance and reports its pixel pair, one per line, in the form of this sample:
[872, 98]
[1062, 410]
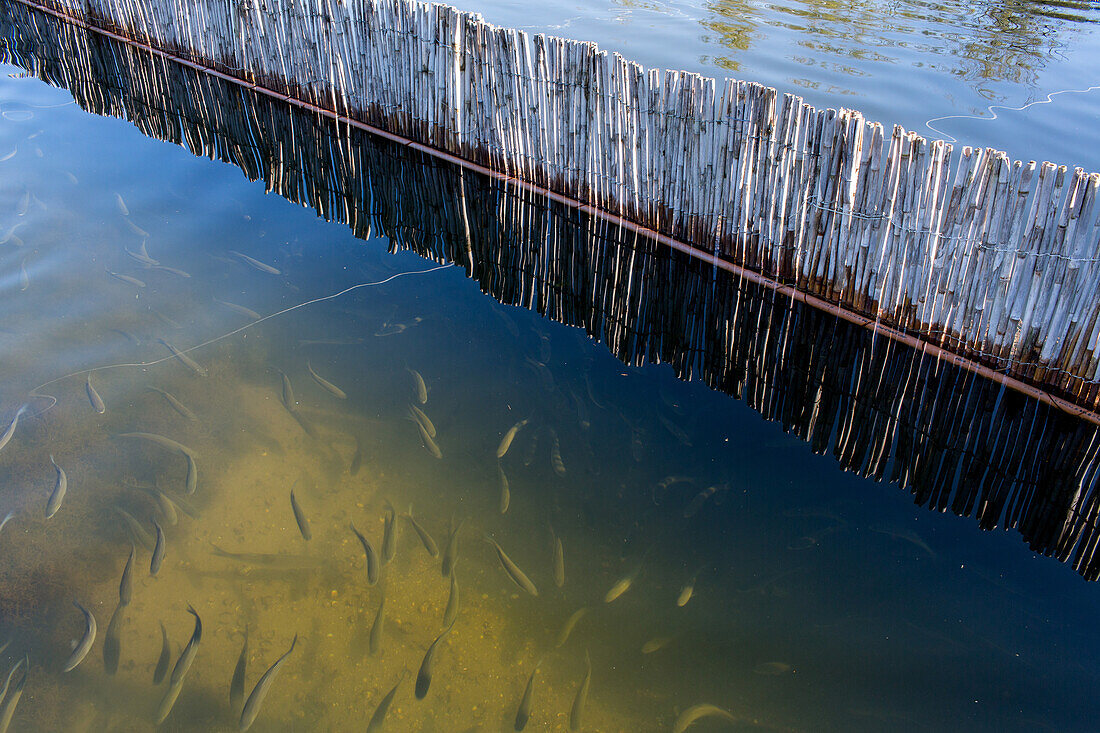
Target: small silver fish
[568, 626]
[450, 552]
[451, 611]
[182, 356]
[512, 570]
[133, 227]
[428, 442]
[86, 641]
[421, 417]
[175, 404]
[236, 685]
[192, 474]
[425, 538]
[179, 671]
[424, 676]
[523, 713]
[256, 699]
[389, 535]
[138, 532]
[10, 430]
[239, 309]
[111, 642]
[577, 710]
[59, 490]
[3, 523]
[128, 279]
[261, 266]
[379, 716]
[372, 558]
[622, 586]
[378, 628]
[7, 710]
[555, 454]
[558, 555]
[300, 518]
[158, 551]
[505, 493]
[121, 205]
[165, 656]
[700, 711]
[171, 270]
[160, 440]
[24, 278]
[93, 396]
[325, 384]
[126, 585]
[289, 402]
[421, 387]
[506, 441]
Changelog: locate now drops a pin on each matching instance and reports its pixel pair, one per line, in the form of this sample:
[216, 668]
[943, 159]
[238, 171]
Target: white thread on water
[146, 364]
[1049, 99]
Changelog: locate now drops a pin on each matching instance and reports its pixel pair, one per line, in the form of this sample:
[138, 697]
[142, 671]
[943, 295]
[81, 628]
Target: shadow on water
[795, 598]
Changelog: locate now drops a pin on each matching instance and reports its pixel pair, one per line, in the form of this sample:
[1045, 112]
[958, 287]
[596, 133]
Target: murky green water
[819, 601]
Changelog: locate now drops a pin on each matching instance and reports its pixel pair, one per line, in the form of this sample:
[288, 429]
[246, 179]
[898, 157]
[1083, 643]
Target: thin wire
[990, 107]
[234, 332]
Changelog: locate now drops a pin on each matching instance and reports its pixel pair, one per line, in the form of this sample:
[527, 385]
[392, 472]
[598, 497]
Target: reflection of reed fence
[994, 259]
[956, 441]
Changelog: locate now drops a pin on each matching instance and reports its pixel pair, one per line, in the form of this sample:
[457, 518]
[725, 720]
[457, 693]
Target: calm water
[897, 61]
[820, 601]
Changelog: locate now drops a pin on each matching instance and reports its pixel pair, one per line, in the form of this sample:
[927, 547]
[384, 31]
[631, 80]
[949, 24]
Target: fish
[379, 716]
[7, 710]
[622, 585]
[421, 417]
[356, 458]
[142, 257]
[675, 431]
[179, 671]
[11, 674]
[698, 712]
[506, 441]
[421, 388]
[192, 474]
[372, 558]
[378, 628]
[663, 485]
[182, 356]
[10, 430]
[121, 205]
[532, 447]
[59, 489]
[656, 644]
[93, 396]
[451, 611]
[425, 538]
[512, 570]
[523, 712]
[450, 552]
[128, 336]
[24, 278]
[389, 535]
[424, 676]
[7, 518]
[567, 628]
[86, 641]
[158, 551]
[771, 669]
[300, 518]
[136, 530]
[175, 404]
[160, 440]
[577, 710]
[505, 494]
[165, 656]
[10, 234]
[558, 553]
[111, 644]
[256, 699]
[905, 535]
[275, 561]
[327, 385]
[171, 271]
[166, 506]
[261, 266]
[688, 590]
[126, 585]
[133, 227]
[236, 685]
[289, 402]
[128, 279]
[428, 442]
[555, 453]
[239, 309]
[701, 498]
